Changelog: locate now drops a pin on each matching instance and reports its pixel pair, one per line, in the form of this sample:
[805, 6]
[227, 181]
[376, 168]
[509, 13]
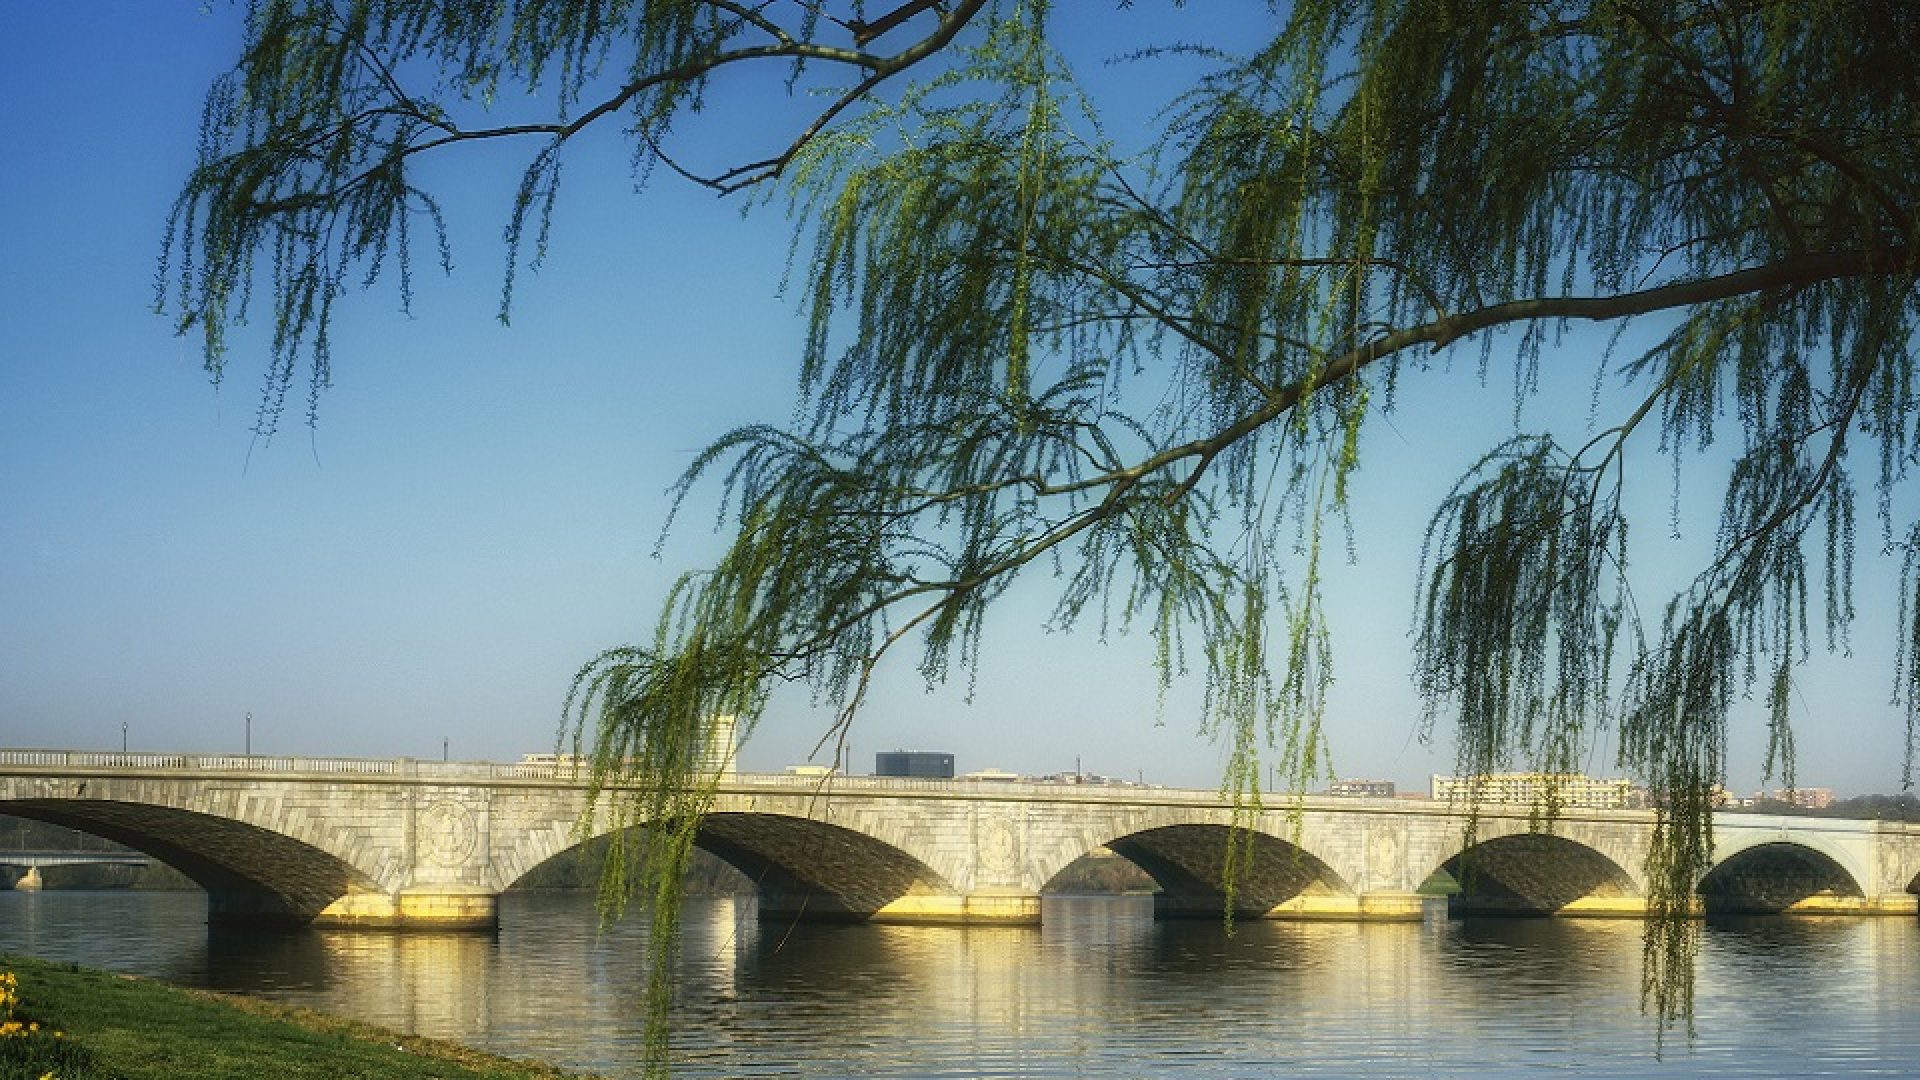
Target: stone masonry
[404, 843]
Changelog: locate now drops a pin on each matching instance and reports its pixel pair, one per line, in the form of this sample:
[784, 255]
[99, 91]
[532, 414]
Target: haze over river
[1099, 990]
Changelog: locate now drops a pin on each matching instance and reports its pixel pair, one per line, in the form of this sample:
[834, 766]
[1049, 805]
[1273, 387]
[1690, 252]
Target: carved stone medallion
[1386, 856]
[999, 854]
[447, 833]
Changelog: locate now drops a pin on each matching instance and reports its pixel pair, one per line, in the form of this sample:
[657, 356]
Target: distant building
[1362, 789]
[1539, 789]
[922, 764]
[810, 769]
[999, 775]
[1806, 798]
[1094, 780]
[719, 757]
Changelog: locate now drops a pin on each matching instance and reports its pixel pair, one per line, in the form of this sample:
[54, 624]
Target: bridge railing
[572, 772]
[267, 766]
[565, 771]
[114, 759]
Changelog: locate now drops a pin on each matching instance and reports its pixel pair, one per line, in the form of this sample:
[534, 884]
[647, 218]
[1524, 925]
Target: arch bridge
[405, 843]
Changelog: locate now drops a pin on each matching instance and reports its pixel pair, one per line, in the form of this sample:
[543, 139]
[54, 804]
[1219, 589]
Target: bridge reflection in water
[403, 843]
[1099, 989]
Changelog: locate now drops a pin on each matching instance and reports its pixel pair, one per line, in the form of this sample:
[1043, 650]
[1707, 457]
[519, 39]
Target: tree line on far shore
[1902, 807]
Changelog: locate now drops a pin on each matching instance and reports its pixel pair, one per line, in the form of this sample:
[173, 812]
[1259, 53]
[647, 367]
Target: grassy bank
[118, 1026]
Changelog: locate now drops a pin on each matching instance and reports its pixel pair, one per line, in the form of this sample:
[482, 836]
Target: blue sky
[475, 513]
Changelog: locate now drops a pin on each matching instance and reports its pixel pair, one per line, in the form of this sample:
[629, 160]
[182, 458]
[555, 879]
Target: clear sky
[475, 514]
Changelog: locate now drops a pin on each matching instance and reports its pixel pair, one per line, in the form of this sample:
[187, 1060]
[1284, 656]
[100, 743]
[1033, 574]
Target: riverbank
[138, 1029]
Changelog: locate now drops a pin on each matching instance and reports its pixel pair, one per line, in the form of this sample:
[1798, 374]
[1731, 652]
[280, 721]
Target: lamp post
[249, 739]
[123, 736]
[443, 748]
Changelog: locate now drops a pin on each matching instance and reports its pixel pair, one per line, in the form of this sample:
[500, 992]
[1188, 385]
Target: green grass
[122, 1027]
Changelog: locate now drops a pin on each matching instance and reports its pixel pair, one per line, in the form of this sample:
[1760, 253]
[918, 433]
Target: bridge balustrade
[484, 770]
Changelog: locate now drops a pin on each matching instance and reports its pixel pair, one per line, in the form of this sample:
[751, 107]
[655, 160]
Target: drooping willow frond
[1144, 362]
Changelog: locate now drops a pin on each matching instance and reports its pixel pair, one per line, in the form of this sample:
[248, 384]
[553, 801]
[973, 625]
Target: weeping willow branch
[1038, 341]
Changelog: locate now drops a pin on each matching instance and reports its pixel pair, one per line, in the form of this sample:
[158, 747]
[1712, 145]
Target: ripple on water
[1099, 990]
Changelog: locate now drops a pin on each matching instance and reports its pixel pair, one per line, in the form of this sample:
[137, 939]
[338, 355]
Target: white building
[1542, 789]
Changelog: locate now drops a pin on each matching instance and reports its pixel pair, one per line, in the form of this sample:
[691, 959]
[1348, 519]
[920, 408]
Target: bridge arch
[1765, 876]
[252, 875]
[1535, 873]
[1188, 861]
[806, 867]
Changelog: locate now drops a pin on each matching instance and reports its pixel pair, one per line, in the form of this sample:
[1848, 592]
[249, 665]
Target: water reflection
[1099, 989]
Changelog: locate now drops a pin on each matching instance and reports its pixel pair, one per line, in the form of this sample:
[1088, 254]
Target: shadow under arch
[253, 876]
[1189, 864]
[1776, 877]
[800, 868]
[582, 865]
[1538, 874]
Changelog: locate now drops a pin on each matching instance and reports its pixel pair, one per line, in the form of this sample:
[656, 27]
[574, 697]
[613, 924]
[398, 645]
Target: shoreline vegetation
[93, 1025]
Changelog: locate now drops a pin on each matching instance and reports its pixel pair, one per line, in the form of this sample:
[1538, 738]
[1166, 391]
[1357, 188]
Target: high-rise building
[719, 757]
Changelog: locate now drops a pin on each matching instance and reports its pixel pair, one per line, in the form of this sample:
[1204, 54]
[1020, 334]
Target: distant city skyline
[475, 513]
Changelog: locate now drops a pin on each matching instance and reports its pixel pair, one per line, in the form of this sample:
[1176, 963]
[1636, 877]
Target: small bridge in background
[403, 843]
[33, 861]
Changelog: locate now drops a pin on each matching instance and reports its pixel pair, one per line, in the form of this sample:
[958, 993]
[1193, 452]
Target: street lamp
[123, 736]
[249, 742]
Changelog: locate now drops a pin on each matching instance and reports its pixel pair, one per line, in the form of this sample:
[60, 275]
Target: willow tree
[1138, 364]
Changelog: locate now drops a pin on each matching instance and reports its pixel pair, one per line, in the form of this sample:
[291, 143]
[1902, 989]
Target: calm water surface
[1099, 990]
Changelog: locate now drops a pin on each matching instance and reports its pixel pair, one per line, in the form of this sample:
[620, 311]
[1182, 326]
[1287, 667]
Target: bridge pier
[438, 907]
[1382, 906]
[982, 907]
[1588, 907]
[1818, 904]
[1635, 907]
[31, 881]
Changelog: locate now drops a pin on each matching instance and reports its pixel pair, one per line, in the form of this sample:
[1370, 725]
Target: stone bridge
[414, 843]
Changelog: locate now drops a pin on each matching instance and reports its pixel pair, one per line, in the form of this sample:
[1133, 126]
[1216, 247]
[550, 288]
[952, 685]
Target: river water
[1099, 990]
